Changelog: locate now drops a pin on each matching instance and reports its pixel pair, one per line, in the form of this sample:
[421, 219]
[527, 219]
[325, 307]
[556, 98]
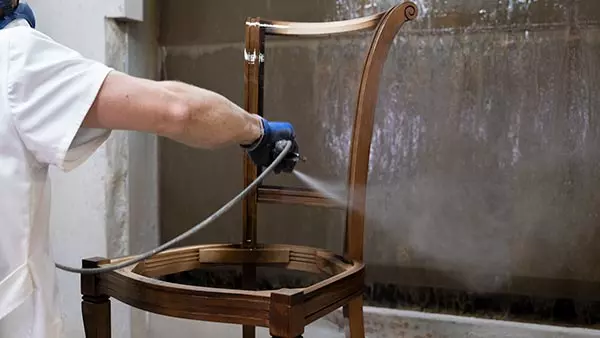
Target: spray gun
[276, 136]
[290, 159]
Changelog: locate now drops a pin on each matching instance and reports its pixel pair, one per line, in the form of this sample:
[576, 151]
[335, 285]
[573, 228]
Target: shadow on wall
[484, 156]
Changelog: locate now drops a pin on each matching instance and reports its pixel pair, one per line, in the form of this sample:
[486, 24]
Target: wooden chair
[285, 312]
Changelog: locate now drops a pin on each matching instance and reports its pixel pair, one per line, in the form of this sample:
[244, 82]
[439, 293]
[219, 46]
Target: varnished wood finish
[278, 27]
[253, 103]
[362, 133]
[138, 286]
[363, 124]
[253, 87]
[95, 304]
[95, 312]
[287, 311]
[287, 316]
[182, 301]
[356, 320]
[293, 195]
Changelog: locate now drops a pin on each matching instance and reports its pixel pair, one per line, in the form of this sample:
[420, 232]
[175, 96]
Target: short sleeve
[50, 90]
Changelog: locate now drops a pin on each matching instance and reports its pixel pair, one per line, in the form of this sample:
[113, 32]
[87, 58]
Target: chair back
[385, 25]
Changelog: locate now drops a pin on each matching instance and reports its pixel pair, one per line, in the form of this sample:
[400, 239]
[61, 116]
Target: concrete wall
[96, 207]
[483, 169]
[141, 190]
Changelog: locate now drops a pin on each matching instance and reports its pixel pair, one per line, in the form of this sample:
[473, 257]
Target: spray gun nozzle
[293, 155]
[290, 160]
[299, 157]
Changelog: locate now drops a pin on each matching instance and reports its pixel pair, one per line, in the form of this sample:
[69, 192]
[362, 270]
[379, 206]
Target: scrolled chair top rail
[278, 27]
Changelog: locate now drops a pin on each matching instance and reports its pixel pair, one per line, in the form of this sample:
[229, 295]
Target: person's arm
[64, 106]
[191, 115]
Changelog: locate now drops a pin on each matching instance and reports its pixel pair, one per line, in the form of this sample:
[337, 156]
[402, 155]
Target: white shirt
[46, 90]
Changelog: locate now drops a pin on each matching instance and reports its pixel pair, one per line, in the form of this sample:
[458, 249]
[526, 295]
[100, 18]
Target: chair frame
[285, 312]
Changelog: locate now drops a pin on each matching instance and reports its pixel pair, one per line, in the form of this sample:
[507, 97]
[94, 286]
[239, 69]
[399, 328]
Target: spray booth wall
[484, 171]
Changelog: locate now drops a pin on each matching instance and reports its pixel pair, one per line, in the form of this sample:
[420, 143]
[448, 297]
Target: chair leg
[95, 305]
[96, 317]
[248, 331]
[354, 312]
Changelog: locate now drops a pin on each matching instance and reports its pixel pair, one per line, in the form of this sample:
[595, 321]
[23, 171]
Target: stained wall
[484, 166]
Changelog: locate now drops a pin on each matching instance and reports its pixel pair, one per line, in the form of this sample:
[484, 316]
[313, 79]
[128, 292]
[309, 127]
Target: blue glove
[266, 149]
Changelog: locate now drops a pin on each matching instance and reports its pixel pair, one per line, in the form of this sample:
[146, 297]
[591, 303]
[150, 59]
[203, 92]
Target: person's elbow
[192, 116]
[166, 108]
[130, 103]
[176, 117]
[184, 124]
[187, 121]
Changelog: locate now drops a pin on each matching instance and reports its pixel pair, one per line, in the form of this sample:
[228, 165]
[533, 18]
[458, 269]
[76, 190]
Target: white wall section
[91, 210]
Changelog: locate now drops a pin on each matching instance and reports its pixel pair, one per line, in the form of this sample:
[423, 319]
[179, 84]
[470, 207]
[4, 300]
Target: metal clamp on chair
[286, 312]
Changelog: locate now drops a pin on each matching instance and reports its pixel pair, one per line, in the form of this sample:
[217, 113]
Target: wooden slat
[161, 261]
[245, 256]
[292, 195]
[289, 28]
[333, 290]
[330, 307]
[164, 270]
[198, 303]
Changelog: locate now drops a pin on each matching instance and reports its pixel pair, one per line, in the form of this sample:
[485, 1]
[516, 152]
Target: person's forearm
[212, 120]
[185, 113]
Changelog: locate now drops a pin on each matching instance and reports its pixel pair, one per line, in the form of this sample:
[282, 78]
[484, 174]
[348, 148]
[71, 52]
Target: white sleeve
[50, 90]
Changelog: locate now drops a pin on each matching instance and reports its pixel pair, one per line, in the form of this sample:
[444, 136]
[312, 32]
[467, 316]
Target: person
[56, 108]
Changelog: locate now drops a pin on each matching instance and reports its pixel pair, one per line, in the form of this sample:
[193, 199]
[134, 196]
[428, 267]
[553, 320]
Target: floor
[379, 323]
[163, 327]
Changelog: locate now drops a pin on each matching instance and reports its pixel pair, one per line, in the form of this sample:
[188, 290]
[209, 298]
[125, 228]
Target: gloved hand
[266, 149]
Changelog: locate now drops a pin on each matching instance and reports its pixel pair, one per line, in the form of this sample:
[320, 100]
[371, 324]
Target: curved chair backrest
[386, 26]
